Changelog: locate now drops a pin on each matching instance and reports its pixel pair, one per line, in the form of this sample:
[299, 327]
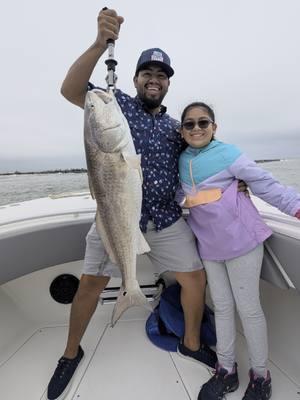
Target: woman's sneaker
[205, 355]
[259, 388]
[59, 383]
[219, 384]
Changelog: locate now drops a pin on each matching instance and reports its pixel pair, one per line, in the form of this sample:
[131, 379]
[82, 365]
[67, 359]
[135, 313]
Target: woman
[230, 235]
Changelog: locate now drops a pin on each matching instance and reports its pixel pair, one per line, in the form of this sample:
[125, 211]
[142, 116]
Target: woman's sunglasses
[202, 124]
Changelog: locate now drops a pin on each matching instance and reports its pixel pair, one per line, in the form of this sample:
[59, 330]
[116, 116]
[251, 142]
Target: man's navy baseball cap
[155, 56]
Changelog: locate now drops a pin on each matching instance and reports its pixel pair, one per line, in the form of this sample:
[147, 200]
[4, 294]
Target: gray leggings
[236, 282]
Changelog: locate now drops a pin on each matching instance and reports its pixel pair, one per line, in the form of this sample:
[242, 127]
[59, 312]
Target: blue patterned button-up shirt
[157, 139]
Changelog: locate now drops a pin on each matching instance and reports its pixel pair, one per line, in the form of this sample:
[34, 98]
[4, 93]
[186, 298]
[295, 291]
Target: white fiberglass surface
[276, 220]
[47, 206]
[119, 362]
[83, 204]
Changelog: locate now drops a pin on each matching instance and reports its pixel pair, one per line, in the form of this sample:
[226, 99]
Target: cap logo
[157, 56]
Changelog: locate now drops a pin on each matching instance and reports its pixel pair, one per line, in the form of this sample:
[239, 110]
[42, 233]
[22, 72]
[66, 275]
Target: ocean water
[17, 188]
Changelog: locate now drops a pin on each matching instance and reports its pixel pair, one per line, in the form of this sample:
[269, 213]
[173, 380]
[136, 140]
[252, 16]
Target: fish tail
[127, 299]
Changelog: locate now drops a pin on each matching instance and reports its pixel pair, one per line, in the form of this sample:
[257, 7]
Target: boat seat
[25, 251]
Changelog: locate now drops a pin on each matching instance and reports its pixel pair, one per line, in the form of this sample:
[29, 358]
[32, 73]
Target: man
[171, 241]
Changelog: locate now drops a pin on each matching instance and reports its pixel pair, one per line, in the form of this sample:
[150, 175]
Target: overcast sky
[240, 56]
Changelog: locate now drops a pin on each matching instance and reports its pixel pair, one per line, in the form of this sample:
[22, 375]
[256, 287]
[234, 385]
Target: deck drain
[63, 288]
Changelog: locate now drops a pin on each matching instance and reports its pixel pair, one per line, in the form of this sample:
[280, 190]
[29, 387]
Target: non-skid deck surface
[119, 363]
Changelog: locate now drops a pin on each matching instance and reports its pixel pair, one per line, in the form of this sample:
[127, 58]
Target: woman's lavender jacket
[231, 226]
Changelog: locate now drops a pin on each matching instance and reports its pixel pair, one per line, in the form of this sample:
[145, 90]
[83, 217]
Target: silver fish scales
[116, 183]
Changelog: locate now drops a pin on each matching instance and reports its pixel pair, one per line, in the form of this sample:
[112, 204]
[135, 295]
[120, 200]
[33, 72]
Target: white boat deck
[119, 362]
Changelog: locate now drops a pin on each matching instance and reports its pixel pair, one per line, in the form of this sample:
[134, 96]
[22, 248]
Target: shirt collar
[195, 151]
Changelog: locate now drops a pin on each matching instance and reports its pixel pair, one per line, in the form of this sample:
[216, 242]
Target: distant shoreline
[52, 171]
[269, 160]
[82, 170]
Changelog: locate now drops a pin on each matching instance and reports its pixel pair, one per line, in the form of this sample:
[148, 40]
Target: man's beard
[150, 103]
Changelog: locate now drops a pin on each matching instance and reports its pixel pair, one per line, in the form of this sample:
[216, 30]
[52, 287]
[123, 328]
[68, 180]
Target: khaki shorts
[172, 249]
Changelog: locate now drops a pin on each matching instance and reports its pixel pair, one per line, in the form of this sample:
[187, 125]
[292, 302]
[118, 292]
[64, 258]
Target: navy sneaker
[59, 383]
[205, 355]
[219, 384]
[259, 388]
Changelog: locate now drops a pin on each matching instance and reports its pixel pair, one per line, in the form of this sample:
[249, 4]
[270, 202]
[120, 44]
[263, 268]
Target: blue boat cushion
[165, 326]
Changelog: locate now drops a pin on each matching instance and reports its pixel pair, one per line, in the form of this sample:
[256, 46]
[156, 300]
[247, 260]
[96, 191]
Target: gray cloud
[240, 56]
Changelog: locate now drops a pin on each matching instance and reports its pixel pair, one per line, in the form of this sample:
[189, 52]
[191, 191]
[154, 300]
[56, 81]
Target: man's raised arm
[75, 84]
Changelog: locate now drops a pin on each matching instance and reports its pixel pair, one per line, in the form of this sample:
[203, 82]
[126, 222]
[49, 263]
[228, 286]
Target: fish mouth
[111, 127]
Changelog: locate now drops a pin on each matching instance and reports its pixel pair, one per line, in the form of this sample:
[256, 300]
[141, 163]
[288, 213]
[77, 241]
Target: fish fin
[127, 299]
[101, 233]
[142, 245]
[141, 175]
[133, 160]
